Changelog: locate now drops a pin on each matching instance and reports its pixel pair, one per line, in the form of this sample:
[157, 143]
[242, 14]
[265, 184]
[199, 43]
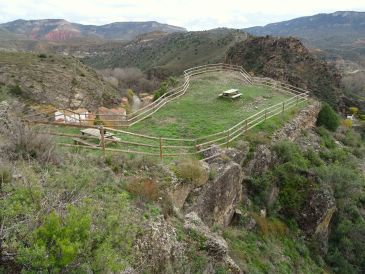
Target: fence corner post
[102, 138]
[228, 137]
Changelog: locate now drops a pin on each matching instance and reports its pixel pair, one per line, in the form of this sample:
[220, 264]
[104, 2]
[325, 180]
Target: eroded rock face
[4, 117]
[316, 217]
[214, 244]
[159, 248]
[306, 118]
[261, 161]
[217, 200]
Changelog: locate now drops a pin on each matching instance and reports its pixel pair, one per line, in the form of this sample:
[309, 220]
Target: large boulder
[216, 201]
[158, 249]
[261, 161]
[214, 245]
[316, 216]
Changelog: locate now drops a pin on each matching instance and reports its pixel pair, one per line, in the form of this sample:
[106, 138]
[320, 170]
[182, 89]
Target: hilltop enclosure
[191, 118]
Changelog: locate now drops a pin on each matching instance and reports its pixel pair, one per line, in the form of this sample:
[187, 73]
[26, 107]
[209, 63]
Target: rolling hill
[60, 30]
[170, 54]
[52, 79]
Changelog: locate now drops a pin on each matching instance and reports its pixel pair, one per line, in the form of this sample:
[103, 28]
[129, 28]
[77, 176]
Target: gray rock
[5, 122]
[316, 217]
[159, 248]
[261, 161]
[217, 200]
[306, 118]
[214, 244]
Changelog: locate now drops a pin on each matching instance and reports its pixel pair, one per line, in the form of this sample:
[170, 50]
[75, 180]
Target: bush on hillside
[57, 243]
[26, 142]
[15, 90]
[191, 170]
[354, 110]
[328, 118]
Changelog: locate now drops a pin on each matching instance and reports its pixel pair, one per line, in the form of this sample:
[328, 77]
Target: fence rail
[172, 147]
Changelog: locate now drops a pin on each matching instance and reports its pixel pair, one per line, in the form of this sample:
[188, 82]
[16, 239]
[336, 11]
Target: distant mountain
[60, 30]
[322, 29]
[336, 37]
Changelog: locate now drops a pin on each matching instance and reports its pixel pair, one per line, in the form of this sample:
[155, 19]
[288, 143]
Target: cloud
[192, 14]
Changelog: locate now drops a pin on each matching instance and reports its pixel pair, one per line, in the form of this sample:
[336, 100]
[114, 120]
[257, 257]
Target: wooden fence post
[102, 139]
[265, 113]
[283, 107]
[161, 152]
[228, 139]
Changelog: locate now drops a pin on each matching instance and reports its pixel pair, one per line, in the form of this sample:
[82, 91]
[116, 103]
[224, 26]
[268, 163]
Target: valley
[143, 147]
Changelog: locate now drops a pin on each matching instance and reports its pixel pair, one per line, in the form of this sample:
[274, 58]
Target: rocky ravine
[216, 201]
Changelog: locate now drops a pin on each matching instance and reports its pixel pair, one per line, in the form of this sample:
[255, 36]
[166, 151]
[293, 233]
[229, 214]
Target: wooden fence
[162, 147]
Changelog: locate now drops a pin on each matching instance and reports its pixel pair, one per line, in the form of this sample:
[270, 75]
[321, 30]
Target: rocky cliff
[286, 59]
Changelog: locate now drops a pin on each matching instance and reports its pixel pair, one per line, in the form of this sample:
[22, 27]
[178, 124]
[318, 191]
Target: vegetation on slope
[333, 170]
[171, 54]
[56, 80]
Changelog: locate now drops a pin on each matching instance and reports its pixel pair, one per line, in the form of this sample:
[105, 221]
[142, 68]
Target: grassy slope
[54, 79]
[196, 114]
[201, 112]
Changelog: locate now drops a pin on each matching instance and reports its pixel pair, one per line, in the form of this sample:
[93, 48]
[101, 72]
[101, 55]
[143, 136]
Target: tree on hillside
[328, 118]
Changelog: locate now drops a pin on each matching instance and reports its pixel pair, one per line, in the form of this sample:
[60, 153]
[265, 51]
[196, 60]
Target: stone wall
[306, 118]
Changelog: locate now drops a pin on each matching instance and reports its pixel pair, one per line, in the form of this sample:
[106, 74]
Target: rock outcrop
[216, 201]
[214, 245]
[306, 118]
[316, 216]
[261, 161]
[5, 123]
[158, 249]
[287, 60]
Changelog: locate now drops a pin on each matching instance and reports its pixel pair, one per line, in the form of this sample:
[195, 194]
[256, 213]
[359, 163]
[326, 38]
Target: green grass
[201, 112]
[269, 254]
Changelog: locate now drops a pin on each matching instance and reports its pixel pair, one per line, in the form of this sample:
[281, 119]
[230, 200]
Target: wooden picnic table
[230, 91]
[94, 132]
[231, 94]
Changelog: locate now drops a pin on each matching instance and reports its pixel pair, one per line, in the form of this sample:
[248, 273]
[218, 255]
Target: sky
[191, 14]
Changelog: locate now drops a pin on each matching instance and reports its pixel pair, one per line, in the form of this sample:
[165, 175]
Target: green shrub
[15, 90]
[57, 243]
[289, 152]
[328, 118]
[354, 110]
[326, 138]
[161, 91]
[26, 142]
[42, 55]
[191, 170]
[5, 176]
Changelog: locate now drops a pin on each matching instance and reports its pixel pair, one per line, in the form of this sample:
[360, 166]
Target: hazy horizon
[189, 14]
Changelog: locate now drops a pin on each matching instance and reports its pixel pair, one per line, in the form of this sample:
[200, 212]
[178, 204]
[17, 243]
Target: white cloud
[192, 14]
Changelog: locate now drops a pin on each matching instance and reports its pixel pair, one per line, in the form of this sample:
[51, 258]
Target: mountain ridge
[61, 29]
